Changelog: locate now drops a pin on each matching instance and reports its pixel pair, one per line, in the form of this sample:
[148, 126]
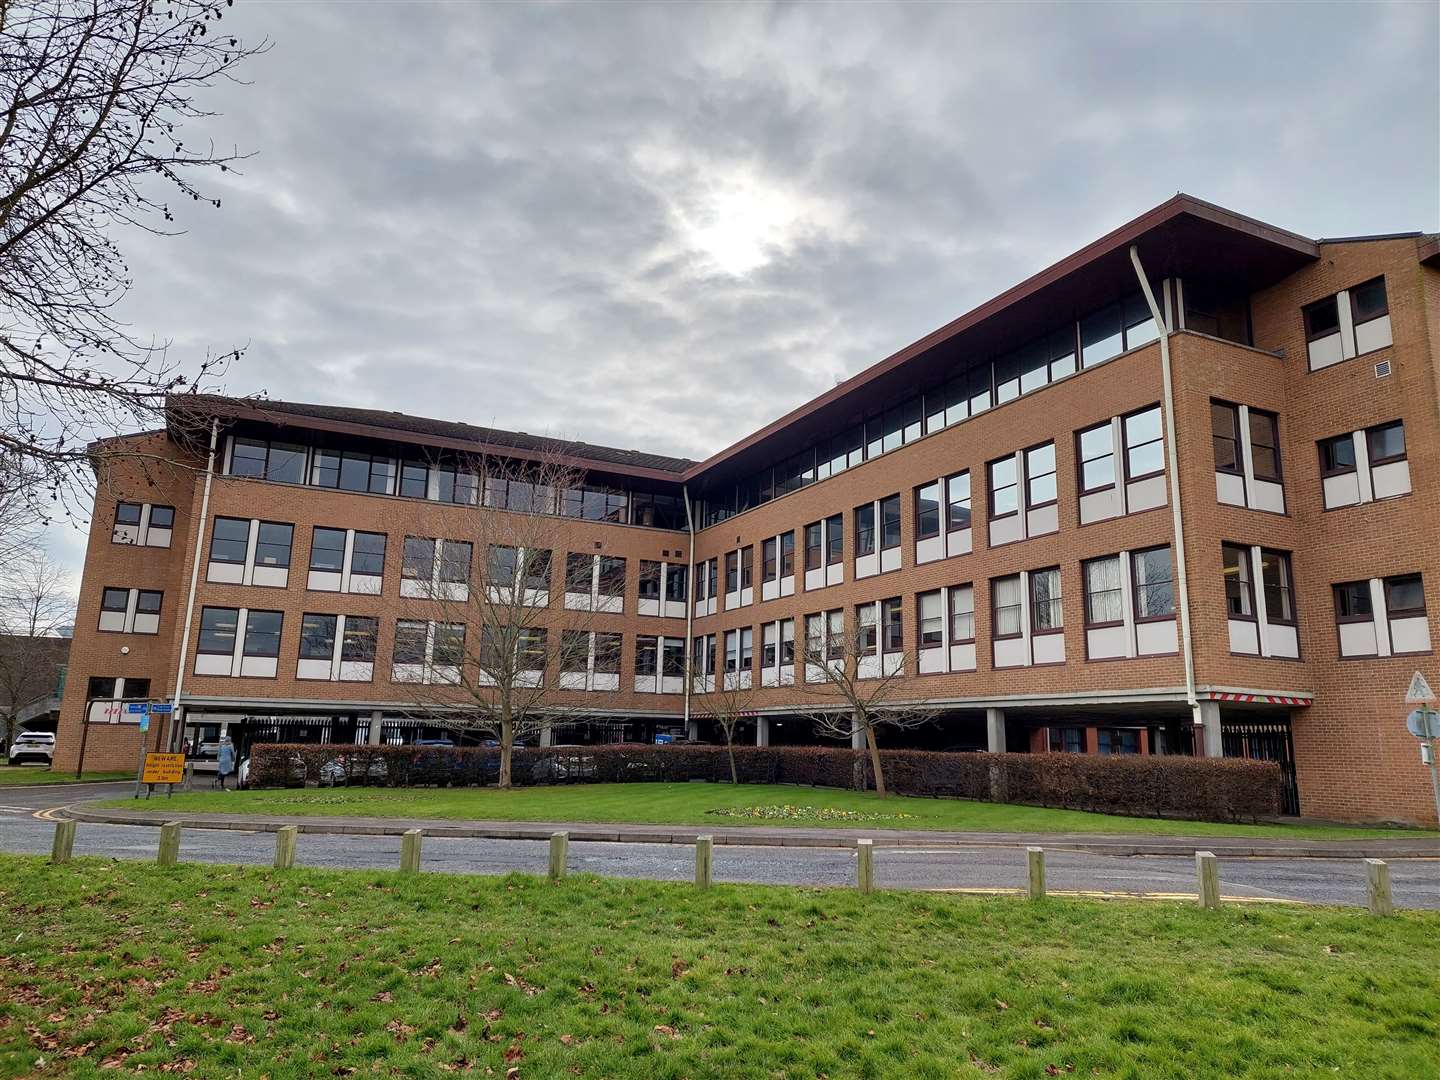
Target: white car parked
[33, 746]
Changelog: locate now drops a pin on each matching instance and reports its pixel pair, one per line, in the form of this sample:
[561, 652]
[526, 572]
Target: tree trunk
[875, 760]
[730, 749]
[507, 743]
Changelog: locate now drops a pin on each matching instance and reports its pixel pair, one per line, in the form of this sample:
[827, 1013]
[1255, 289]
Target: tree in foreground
[853, 675]
[725, 702]
[95, 98]
[497, 647]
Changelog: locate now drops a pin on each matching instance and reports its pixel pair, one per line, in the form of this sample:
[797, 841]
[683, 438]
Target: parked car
[340, 771]
[33, 746]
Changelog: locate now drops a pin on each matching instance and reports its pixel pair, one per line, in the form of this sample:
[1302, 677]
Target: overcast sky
[662, 226]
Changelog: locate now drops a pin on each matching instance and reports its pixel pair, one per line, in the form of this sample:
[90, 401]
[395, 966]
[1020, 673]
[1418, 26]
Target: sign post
[1424, 723]
[140, 710]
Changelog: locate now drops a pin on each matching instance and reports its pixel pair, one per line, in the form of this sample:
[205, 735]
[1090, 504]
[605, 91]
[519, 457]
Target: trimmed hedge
[1202, 789]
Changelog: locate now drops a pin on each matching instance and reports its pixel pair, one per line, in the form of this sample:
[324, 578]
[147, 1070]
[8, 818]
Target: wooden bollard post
[1377, 876]
[1035, 878]
[1207, 873]
[285, 839]
[64, 845]
[410, 851]
[169, 853]
[559, 850]
[704, 860]
[865, 865]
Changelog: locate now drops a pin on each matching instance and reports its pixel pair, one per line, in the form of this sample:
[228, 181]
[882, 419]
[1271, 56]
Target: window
[286, 464]
[1006, 603]
[1265, 445]
[229, 540]
[1238, 590]
[890, 522]
[834, 539]
[835, 634]
[1404, 597]
[1046, 614]
[1352, 602]
[1337, 455]
[747, 648]
[367, 558]
[325, 469]
[1040, 475]
[414, 480]
[769, 645]
[677, 580]
[927, 511]
[1067, 740]
[317, 637]
[1140, 328]
[1275, 575]
[115, 600]
[100, 687]
[787, 642]
[247, 458]
[787, 554]
[327, 550]
[649, 581]
[814, 637]
[932, 619]
[747, 567]
[672, 659]
[607, 654]
[148, 601]
[769, 560]
[458, 486]
[162, 517]
[127, 513]
[1104, 597]
[1225, 436]
[450, 645]
[1097, 458]
[891, 618]
[535, 572]
[501, 565]
[579, 573]
[1322, 318]
[358, 644]
[1101, 336]
[1385, 443]
[647, 655]
[957, 501]
[962, 614]
[272, 545]
[732, 650]
[732, 571]
[455, 561]
[1153, 575]
[262, 633]
[410, 642]
[865, 530]
[1004, 488]
[574, 652]
[612, 575]
[866, 634]
[1144, 444]
[1368, 301]
[814, 546]
[1117, 741]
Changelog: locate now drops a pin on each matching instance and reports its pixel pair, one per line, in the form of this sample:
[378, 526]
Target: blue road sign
[162, 707]
[141, 708]
[664, 740]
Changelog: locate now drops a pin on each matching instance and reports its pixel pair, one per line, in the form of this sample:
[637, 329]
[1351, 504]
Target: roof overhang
[1183, 236]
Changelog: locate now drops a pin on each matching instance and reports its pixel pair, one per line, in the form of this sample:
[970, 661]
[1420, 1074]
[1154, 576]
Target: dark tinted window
[1352, 601]
[1386, 442]
[368, 556]
[327, 550]
[317, 637]
[1337, 455]
[1322, 318]
[262, 633]
[217, 630]
[272, 548]
[162, 517]
[114, 599]
[1369, 301]
[229, 540]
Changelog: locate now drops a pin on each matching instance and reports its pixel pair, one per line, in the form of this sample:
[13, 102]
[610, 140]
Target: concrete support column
[857, 736]
[762, 731]
[547, 735]
[692, 731]
[373, 736]
[1207, 740]
[995, 730]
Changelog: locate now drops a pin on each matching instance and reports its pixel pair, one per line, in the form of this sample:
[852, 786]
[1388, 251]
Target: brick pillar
[1040, 740]
[1092, 740]
[1144, 742]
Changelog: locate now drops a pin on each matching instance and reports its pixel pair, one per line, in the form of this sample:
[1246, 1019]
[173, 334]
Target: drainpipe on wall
[689, 607]
[1176, 514]
[177, 726]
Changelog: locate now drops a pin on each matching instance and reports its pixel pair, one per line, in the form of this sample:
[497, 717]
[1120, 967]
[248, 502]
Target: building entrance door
[1266, 740]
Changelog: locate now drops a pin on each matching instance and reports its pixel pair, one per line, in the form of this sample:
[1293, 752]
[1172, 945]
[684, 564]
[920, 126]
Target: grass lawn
[25, 775]
[689, 804]
[229, 971]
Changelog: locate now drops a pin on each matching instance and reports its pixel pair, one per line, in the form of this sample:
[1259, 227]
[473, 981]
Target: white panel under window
[313, 669]
[1410, 635]
[1326, 351]
[147, 622]
[930, 549]
[1284, 642]
[1106, 643]
[1244, 637]
[1372, 335]
[962, 657]
[1343, 490]
[1011, 652]
[275, 577]
[1044, 520]
[835, 574]
[365, 584]
[1267, 495]
[1145, 494]
[867, 667]
[1049, 648]
[263, 667]
[1391, 479]
[867, 566]
[225, 573]
[1100, 505]
[1005, 530]
[212, 664]
[1358, 639]
[959, 542]
[112, 621]
[1230, 489]
[356, 670]
[815, 579]
[932, 660]
[1156, 638]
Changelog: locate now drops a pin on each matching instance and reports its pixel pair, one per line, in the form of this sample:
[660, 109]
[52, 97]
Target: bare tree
[852, 680]
[94, 97]
[36, 608]
[501, 650]
[727, 703]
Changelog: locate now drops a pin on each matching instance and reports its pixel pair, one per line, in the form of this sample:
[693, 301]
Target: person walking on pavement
[226, 765]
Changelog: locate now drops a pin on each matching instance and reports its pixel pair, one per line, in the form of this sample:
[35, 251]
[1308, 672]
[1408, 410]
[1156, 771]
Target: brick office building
[1001, 500]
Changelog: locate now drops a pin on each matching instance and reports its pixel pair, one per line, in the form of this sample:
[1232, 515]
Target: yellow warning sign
[164, 769]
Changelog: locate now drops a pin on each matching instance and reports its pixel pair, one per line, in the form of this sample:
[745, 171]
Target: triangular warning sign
[1419, 691]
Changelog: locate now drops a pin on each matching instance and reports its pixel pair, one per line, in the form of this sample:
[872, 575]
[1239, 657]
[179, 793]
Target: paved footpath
[1250, 869]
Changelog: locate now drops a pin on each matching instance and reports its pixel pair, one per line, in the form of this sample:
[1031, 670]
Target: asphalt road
[1328, 881]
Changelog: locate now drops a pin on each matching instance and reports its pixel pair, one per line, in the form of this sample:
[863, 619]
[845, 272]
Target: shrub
[1206, 789]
